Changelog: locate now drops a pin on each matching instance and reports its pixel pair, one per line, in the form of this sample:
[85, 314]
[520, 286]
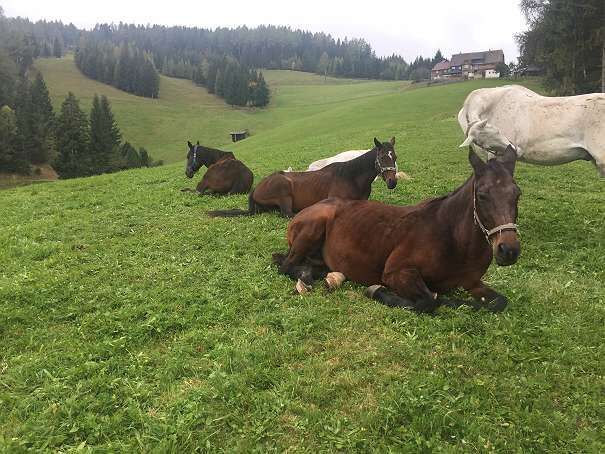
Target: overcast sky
[403, 27]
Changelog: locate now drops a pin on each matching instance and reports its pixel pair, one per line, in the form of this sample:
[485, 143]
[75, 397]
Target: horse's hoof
[302, 288]
[372, 289]
[498, 304]
[334, 280]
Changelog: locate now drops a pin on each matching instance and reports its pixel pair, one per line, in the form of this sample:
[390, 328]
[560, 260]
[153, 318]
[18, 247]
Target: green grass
[130, 321]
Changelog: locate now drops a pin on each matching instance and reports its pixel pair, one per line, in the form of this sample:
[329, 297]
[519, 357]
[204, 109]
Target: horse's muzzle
[391, 182]
[507, 249]
[189, 173]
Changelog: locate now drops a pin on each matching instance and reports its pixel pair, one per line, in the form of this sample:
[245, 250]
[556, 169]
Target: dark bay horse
[225, 174]
[419, 251]
[290, 192]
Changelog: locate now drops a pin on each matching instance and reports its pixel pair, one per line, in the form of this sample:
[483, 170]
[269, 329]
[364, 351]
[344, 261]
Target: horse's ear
[190, 144]
[509, 159]
[198, 142]
[476, 162]
[467, 142]
[377, 143]
[393, 140]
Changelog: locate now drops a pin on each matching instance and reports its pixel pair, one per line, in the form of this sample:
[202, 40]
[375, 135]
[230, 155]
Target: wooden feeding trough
[239, 135]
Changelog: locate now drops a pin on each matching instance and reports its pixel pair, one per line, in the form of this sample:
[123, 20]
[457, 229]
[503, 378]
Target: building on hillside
[239, 135]
[440, 70]
[471, 65]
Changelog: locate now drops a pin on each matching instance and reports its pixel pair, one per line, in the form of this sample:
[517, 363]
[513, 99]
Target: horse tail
[253, 208]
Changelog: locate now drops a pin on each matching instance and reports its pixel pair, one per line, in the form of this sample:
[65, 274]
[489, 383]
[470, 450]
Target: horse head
[194, 160]
[386, 161]
[486, 136]
[495, 200]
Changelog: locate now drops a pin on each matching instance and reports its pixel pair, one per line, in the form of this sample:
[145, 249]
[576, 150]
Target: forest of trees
[179, 50]
[566, 39]
[223, 60]
[32, 134]
[125, 66]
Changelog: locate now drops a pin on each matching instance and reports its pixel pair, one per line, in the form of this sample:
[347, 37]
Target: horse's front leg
[410, 290]
[201, 187]
[487, 297]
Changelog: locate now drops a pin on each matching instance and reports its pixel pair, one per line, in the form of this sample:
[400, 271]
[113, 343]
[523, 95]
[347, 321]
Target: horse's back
[229, 175]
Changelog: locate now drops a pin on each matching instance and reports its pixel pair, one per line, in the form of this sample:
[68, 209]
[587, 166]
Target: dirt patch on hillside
[39, 174]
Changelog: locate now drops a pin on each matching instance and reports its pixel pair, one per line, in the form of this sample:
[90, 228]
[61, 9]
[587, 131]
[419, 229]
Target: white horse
[543, 130]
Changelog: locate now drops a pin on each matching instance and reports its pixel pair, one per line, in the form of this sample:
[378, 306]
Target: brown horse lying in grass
[290, 192]
[414, 251]
[225, 174]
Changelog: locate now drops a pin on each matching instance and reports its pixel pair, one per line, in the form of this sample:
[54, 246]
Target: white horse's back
[340, 157]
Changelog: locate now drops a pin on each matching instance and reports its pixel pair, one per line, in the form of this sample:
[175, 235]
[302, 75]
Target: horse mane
[354, 167]
[214, 153]
[449, 195]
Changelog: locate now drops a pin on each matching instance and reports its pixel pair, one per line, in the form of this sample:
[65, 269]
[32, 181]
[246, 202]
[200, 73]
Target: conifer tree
[262, 96]
[73, 139]
[131, 157]
[57, 48]
[104, 135]
[42, 124]
[145, 159]
[8, 78]
[219, 87]
[11, 158]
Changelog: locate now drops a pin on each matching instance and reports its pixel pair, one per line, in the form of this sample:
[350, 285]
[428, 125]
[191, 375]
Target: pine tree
[42, 123]
[130, 155]
[145, 159]
[219, 89]
[11, 159]
[73, 139]
[104, 135]
[8, 78]
[57, 48]
[124, 70]
[262, 95]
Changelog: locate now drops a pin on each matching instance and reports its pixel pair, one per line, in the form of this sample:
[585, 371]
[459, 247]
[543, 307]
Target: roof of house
[488, 56]
[443, 64]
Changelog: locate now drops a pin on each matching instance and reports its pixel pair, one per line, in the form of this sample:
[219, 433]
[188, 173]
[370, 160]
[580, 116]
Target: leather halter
[498, 229]
[381, 170]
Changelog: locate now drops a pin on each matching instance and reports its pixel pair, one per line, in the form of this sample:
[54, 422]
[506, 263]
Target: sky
[402, 27]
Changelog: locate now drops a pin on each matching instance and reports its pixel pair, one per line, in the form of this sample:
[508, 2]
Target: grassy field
[130, 321]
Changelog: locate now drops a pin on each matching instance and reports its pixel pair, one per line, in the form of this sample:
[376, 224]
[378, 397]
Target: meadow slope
[184, 111]
[131, 321]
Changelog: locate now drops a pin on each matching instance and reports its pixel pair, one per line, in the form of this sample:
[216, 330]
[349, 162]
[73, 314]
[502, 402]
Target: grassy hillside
[187, 112]
[131, 321]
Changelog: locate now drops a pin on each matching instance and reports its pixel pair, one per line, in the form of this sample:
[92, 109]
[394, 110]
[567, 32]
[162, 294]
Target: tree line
[129, 56]
[125, 66]
[181, 49]
[566, 39]
[32, 134]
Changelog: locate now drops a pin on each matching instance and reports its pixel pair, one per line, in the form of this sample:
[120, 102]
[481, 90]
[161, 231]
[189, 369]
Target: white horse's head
[486, 136]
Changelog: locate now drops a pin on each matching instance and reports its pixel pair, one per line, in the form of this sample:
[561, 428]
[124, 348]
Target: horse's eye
[482, 196]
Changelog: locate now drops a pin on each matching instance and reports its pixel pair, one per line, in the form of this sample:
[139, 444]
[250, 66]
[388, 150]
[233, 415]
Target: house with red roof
[440, 70]
[470, 65]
